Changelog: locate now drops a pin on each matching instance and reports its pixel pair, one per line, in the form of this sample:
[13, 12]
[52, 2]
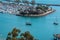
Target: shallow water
[42, 27]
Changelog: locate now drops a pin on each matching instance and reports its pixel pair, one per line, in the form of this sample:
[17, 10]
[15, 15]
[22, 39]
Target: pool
[42, 28]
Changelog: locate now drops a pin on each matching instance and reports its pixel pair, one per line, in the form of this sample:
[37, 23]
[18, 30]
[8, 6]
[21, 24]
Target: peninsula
[25, 8]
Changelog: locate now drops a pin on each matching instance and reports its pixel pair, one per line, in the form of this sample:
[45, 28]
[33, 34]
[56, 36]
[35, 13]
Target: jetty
[48, 4]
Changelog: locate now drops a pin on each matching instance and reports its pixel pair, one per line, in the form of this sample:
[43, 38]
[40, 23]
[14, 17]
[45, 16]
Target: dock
[48, 4]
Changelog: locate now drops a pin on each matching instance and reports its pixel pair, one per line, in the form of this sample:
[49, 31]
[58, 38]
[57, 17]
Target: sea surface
[42, 28]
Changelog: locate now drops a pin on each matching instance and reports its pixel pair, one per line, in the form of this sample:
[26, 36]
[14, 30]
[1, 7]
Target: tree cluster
[17, 35]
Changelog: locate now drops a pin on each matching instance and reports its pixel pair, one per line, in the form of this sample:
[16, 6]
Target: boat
[1, 12]
[55, 23]
[28, 23]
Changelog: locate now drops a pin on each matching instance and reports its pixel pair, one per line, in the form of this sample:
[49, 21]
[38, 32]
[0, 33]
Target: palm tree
[23, 36]
[15, 32]
[9, 36]
[27, 35]
[13, 35]
[14, 38]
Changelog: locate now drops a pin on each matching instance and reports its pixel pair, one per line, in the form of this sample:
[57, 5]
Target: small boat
[1, 12]
[28, 23]
[55, 23]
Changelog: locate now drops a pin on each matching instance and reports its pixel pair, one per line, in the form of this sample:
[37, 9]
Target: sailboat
[55, 23]
[28, 22]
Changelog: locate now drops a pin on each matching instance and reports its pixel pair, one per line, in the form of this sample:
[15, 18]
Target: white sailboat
[56, 22]
[28, 22]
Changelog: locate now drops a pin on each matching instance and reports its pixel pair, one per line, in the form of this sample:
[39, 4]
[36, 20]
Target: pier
[48, 4]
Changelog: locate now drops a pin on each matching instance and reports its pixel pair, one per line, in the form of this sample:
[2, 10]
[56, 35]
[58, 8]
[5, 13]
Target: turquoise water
[42, 27]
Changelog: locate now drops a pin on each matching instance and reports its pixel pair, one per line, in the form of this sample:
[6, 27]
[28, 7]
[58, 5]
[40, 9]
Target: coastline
[12, 9]
[42, 14]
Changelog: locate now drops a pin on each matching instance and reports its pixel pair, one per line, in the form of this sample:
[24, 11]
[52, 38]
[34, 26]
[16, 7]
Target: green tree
[14, 35]
[27, 35]
[9, 36]
[15, 32]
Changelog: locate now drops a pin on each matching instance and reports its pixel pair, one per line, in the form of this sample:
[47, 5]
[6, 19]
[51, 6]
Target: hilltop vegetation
[16, 34]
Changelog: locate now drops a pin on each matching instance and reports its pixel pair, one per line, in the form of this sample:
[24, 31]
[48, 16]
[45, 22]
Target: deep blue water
[42, 27]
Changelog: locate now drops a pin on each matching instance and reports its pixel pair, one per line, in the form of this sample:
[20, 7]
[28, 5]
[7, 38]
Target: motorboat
[28, 23]
[55, 23]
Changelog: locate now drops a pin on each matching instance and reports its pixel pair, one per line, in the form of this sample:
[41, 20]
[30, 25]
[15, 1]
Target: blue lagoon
[42, 28]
